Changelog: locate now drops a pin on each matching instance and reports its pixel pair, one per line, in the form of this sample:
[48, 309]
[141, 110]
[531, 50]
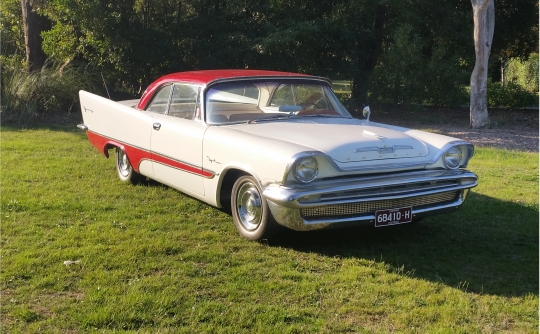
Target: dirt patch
[510, 129]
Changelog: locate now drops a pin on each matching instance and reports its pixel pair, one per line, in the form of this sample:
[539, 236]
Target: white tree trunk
[484, 25]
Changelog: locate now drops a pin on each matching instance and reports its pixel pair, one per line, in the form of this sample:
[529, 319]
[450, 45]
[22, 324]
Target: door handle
[157, 126]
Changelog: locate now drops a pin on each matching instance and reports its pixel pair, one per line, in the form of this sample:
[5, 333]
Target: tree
[484, 26]
[34, 24]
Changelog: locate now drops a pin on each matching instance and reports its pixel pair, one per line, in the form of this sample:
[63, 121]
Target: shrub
[406, 76]
[28, 96]
[524, 73]
[510, 95]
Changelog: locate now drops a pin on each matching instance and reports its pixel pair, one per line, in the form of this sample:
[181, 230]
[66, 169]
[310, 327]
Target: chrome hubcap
[248, 206]
[123, 163]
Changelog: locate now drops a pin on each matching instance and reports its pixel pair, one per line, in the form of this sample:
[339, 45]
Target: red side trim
[179, 165]
[136, 155]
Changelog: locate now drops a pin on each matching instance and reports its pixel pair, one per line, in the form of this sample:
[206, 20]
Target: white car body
[358, 162]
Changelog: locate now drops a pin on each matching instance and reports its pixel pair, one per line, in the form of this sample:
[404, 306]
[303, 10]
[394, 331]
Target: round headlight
[452, 157]
[305, 169]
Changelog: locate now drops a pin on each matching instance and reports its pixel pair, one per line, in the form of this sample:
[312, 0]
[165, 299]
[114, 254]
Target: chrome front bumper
[287, 203]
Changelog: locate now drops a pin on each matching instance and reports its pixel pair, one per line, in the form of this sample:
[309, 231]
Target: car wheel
[250, 210]
[124, 168]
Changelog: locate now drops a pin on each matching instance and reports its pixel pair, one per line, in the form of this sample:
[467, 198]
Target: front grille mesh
[371, 207]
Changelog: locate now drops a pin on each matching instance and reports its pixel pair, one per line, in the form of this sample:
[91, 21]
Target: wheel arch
[227, 180]
[111, 145]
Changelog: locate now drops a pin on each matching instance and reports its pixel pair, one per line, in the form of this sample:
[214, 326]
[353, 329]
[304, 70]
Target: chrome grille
[390, 189]
[371, 207]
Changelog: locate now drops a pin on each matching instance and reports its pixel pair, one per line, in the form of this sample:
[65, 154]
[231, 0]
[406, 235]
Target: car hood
[344, 140]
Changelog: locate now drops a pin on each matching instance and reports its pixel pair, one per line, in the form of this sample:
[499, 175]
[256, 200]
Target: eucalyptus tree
[484, 26]
[34, 24]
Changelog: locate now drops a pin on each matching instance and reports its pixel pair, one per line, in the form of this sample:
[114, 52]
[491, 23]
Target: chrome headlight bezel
[453, 157]
[305, 169]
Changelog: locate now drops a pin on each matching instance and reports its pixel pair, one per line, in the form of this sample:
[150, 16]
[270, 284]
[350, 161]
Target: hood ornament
[366, 112]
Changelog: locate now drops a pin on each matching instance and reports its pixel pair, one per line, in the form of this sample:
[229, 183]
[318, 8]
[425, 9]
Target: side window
[184, 101]
[160, 101]
[283, 96]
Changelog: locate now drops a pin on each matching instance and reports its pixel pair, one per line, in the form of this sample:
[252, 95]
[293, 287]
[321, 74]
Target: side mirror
[366, 112]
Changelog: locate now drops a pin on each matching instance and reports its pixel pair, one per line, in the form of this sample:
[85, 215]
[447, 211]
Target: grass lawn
[154, 260]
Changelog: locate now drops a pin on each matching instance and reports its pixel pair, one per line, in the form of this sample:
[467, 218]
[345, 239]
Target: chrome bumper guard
[287, 202]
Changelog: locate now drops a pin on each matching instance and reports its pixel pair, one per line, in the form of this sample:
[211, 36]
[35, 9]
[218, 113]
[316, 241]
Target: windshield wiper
[325, 115]
[269, 118]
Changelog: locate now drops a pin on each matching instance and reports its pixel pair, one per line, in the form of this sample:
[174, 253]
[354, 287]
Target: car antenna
[104, 84]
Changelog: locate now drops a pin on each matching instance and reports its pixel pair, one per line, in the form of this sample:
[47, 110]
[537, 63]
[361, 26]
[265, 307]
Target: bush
[524, 73]
[28, 96]
[405, 76]
[510, 95]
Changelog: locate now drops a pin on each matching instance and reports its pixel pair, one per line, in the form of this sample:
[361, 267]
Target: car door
[176, 141]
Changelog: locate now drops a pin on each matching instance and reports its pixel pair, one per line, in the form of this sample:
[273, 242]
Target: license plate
[393, 216]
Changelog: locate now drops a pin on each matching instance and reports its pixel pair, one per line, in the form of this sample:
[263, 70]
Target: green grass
[156, 261]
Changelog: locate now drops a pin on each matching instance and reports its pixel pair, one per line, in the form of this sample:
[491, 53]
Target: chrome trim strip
[383, 193]
[183, 170]
[175, 160]
[119, 141]
[289, 196]
[291, 217]
[369, 149]
[291, 199]
[390, 149]
[164, 156]
[383, 198]
[82, 127]
[403, 147]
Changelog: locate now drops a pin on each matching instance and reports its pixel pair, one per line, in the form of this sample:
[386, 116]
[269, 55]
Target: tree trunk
[484, 25]
[34, 24]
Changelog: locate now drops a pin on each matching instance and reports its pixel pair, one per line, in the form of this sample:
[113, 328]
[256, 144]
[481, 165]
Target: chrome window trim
[156, 92]
[199, 89]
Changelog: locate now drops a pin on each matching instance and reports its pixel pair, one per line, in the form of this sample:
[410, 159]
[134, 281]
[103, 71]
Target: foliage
[155, 260]
[28, 96]
[404, 76]
[516, 29]
[12, 48]
[524, 73]
[402, 51]
[510, 95]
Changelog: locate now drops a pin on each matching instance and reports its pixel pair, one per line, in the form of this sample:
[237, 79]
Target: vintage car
[279, 149]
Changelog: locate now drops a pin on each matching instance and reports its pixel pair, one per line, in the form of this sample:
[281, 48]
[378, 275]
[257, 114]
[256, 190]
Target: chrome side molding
[82, 127]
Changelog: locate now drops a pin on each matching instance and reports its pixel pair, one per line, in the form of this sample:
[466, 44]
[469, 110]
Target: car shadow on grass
[489, 246]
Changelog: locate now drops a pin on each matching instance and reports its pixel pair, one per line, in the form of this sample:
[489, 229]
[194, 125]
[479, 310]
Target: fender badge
[213, 160]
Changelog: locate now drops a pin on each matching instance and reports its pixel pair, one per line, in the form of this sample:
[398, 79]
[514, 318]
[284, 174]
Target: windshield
[251, 101]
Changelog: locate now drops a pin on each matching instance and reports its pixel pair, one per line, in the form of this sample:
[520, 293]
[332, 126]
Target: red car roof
[204, 77]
